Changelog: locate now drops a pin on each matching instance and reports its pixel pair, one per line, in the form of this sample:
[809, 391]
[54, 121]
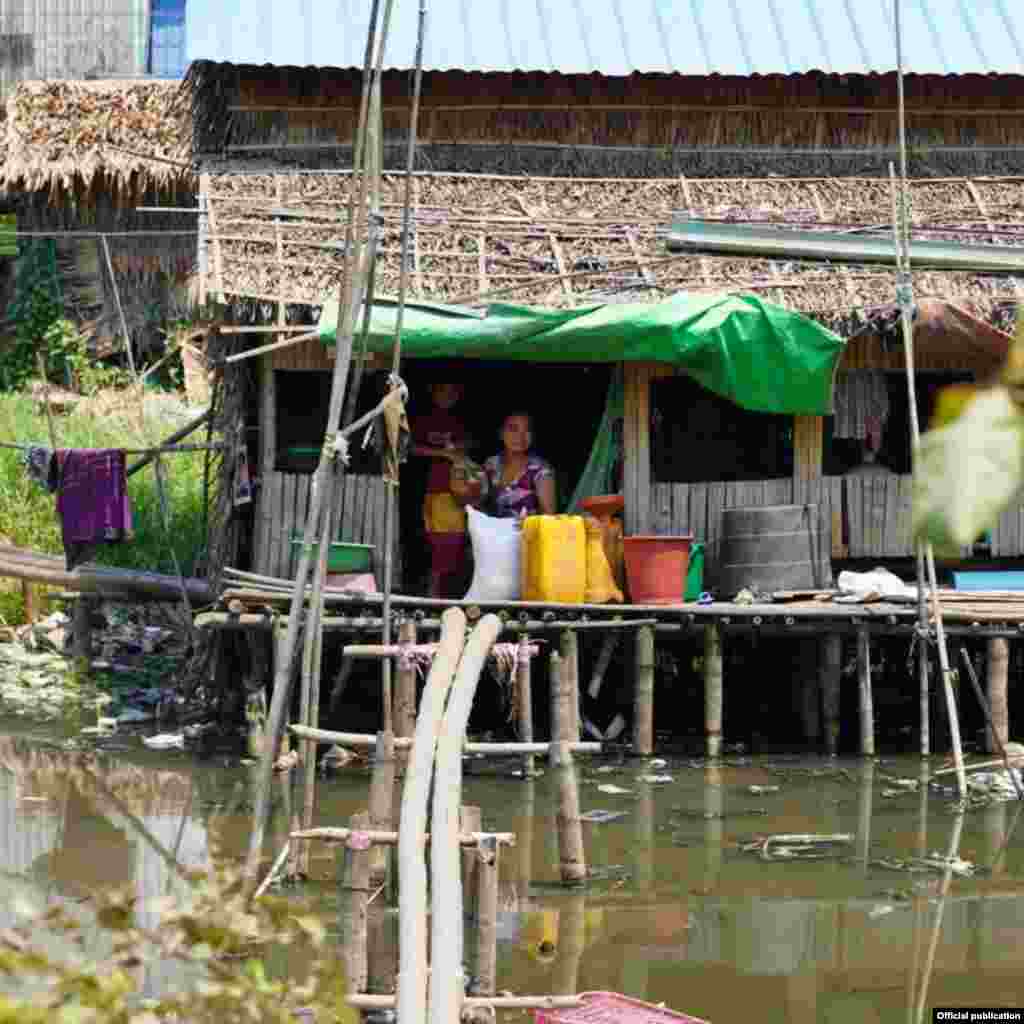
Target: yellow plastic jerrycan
[601, 588]
[554, 559]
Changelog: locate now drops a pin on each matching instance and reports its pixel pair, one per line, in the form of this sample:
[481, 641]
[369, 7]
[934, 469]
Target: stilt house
[552, 156]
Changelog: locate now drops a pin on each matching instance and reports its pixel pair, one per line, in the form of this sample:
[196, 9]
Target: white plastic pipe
[412, 869]
[446, 990]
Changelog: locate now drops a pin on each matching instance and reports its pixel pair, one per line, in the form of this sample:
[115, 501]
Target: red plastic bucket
[656, 568]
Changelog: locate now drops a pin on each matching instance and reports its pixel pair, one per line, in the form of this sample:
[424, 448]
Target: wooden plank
[854, 515]
[274, 556]
[643, 453]
[716, 502]
[289, 524]
[902, 530]
[878, 490]
[630, 449]
[417, 271]
[807, 447]
[680, 509]
[268, 449]
[699, 512]
[836, 500]
[662, 512]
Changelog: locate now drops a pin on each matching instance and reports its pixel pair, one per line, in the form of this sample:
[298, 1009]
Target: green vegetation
[28, 515]
[971, 468]
[233, 961]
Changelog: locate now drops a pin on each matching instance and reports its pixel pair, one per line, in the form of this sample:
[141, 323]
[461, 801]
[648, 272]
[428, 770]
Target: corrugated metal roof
[618, 37]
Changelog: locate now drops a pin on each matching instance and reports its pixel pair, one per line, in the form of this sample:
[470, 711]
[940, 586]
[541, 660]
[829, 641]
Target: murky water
[677, 912]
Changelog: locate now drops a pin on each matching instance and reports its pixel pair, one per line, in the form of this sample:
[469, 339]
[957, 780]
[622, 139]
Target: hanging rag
[393, 439]
[41, 466]
[92, 500]
[243, 482]
[861, 406]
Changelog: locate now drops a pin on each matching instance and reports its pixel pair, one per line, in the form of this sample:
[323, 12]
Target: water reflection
[676, 912]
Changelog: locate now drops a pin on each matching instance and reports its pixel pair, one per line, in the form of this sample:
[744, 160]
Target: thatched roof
[641, 125]
[561, 242]
[61, 137]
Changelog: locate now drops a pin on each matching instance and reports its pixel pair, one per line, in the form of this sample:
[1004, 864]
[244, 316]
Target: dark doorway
[566, 402]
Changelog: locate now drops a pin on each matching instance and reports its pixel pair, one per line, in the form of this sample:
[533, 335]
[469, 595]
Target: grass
[28, 516]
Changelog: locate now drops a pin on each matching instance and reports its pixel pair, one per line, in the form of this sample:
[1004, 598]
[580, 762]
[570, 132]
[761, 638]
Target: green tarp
[762, 357]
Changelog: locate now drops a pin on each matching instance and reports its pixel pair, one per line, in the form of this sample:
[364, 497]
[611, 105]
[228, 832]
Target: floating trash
[799, 846]
[599, 817]
[613, 790]
[658, 762]
[761, 790]
[165, 741]
[655, 780]
[934, 863]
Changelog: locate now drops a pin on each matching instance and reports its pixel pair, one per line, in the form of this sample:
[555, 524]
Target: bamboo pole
[997, 682]
[865, 703]
[367, 740]
[120, 308]
[604, 659]
[997, 737]
[570, 651]
[311, 648]
[572, 935]
[381, 801]
[830, 688]
[643, 694]
[923, 661]
[470, 820]
[485, 960]
[355, 892]
[571, 854]
[905, 299]
[327, 472]
[446, 922]
[713, 689]
[405, 684]
[524, 701]
[411, 998]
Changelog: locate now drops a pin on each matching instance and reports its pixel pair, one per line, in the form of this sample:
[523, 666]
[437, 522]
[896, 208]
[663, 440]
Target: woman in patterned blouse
[521, 484]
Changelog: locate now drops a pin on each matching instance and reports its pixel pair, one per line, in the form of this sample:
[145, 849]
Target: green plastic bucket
[695, 573]
[343, 557]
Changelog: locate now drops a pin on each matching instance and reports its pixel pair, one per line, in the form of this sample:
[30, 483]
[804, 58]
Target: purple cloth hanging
[92, 500]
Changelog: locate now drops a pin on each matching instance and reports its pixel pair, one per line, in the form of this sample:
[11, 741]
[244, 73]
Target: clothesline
[96, 234]
[160, 450]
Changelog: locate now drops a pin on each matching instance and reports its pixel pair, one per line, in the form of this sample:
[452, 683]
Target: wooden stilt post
[355, 895]
[810, 691]
[405, 686]
[570, 650]
[382, 791]
[28, 597]
[470, 820]
[524, 839]
[713, 824]
[604, 659]
[924, 695]
[524, 701]
[867, 712]
[485, 960]
[572, 936]
[643, 710]
[571, 855]
[998, 679]
[831, 676]
[713, 689]
[81, 628]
